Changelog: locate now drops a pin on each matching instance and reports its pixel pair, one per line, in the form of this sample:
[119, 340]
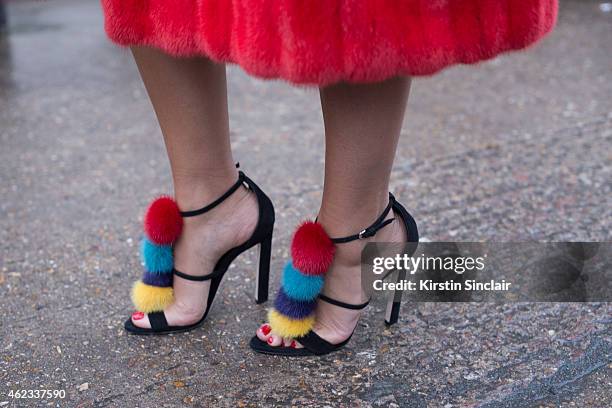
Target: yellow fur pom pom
[147, 298]
[286, 327]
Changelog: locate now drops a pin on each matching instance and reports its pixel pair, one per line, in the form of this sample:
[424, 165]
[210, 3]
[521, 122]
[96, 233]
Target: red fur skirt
[321, 42]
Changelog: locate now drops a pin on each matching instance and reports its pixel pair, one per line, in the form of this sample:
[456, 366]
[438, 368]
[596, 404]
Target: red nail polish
[270, 340]
[137, 315]
[293, 344]
[266, 329]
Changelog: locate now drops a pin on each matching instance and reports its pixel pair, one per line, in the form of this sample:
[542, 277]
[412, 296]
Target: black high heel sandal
[163, 224]
[312, 253]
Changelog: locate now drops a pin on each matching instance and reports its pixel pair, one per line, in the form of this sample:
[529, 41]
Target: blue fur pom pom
[156, 258]
[298, 286]
[294, 309]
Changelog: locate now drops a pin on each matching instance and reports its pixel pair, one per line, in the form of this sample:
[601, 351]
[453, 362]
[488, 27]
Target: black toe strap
[158, 321]
[319, 346]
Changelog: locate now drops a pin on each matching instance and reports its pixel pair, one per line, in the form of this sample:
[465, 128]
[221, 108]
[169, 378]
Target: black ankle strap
[372, 229]
[342, 304]
[240, 182]
[194, 278]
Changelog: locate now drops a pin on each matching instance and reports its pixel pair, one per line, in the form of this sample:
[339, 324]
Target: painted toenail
[137, 315]
[266, 329]
[293, 344]
[270, 340]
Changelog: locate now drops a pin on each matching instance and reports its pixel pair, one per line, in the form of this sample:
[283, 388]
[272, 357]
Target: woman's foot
[204, 239]
[343, 283]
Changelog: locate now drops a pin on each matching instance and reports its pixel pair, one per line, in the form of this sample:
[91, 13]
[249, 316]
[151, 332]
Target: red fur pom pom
[163, 222]
[312, 251]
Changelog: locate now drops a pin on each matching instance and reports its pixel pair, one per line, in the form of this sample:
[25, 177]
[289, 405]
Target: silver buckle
[246, 185]
[361, 234]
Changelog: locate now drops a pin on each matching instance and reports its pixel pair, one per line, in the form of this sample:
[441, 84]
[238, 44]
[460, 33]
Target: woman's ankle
[193, 191]
[349, 216]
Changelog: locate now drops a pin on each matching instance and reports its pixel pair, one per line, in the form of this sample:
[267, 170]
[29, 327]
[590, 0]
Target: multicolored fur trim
[156, 258]
[147, 298]
[312, 253]
[161, 280]
[299, 286]
[163, 224]
[287, 327]
[292, 308]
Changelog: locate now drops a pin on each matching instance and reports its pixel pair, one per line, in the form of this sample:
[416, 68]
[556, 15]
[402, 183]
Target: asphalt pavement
[518, 148]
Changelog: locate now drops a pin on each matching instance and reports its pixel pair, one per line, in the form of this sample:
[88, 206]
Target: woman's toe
[263, 333]
[274, 340]
[141, 320]
[293, 344]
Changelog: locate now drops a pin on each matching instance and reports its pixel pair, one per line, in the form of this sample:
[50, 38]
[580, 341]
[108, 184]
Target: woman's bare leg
[190, 99]
[362, 127]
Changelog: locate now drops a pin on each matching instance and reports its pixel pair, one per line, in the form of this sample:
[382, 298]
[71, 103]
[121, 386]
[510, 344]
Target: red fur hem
[326, 41]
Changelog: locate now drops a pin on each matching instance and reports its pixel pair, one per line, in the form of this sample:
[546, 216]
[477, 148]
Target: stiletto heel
[312, 253]
[394, 301]
[263, 270]
[163, 225]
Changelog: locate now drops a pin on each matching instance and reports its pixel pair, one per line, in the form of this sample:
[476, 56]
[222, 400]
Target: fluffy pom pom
[149, 299]
[312, 250]
[291, 308]
[286, 327]
[163, 222]
[298, 286]
[161, 280]
[156, 258]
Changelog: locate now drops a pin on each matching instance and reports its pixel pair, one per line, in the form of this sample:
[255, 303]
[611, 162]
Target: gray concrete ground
[517, 148]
